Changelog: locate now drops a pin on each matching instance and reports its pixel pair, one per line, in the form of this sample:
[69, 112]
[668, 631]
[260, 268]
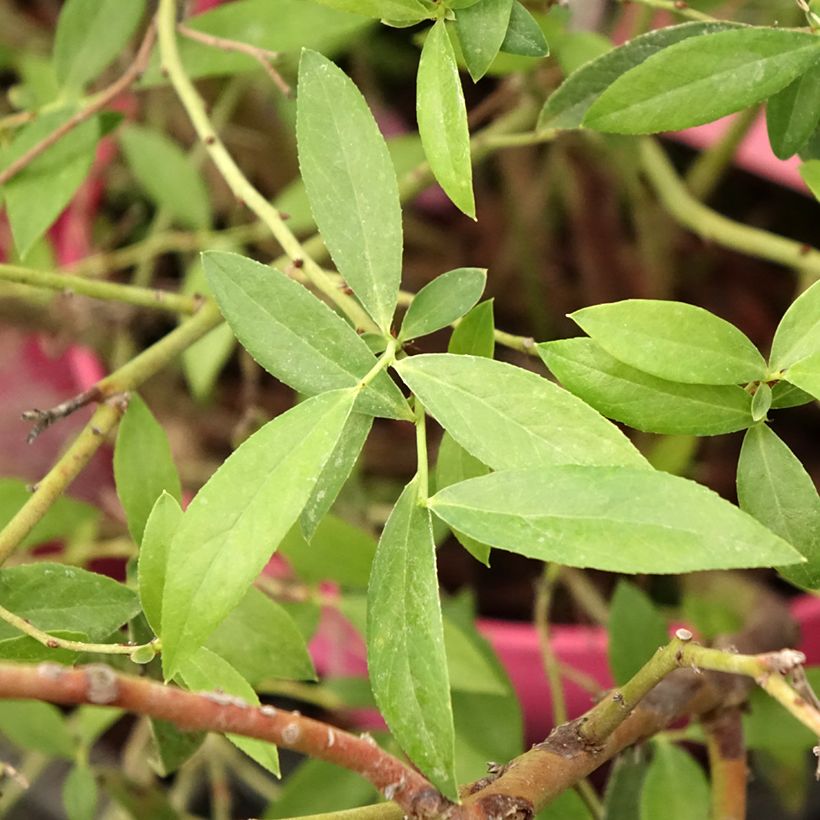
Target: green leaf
[810, 172]
[351, 184]
[160, 529]
[60, 597]
[90, 34]
[89, 723]
[619, 519]
[335, 473]
[396, 11]
[28, 650]
[524, 35]
[453, 465]
[444, 300]
[281, 26]
[295, 336]
[675, 787]
[37, 195]
[761, 401]
[805, 374]
[80, 793]
[172, 746]
[36, 726]
[261, 641]
[568, 104]
[787, 395]
[239, 517]
[774, 487]
[165, 172]
[205, 671]
[636, 631]
[468, 667]
[405, 642]
[793, 113]
[509, 417]
[442, 119]
[63, 518]
[624, 785]
[569, 805]
[673, 340]
[338, 552]
[481, 29]
[798, 334]
[475, 333]
[703, 78]
[143, 465]
[645, 402]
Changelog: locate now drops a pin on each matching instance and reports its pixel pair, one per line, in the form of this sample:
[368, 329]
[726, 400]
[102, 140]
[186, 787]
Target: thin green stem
[232, 174]
[541, 616]
[53, 642]
[710, 225]
[678, 7]
[421, 450]
[382, 363]
[112, 291]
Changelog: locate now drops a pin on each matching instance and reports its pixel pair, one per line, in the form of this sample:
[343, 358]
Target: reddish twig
[131, 74]
[727, 763]
[262, 55]
[100, 685]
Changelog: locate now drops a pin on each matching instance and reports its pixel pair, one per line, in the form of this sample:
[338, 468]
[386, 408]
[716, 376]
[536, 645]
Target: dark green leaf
[442, 119]
[61, 597]
[509, 417]
[261, 641]
[468, 666]
[787, 395]
[624, 785]
[444, 300]
[774, 487]
[481, 28]
[36, 726]
[675, 787]
[636, 631]
[798, 334]
[37, 195]
[405, 642]
[62, 519]
[793, 113]
[567, 106]
[673, 340]
[338, 552]
[475, 333]
[239, 517]
[80, 793]
[335, 473]
[703, 78]
[90, 34]
[29, 650]
[351, 184]
[143, 465]
[569, 805]
[619, 519]
[295, 336]
[172, 746]
[642, 401]
[524, 35]
[166, 174]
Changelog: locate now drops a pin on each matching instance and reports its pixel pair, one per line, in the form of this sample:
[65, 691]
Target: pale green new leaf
[793, 113]
[36, 726]
[810, 172]
[774, 487]
[567, 105]
[481, 29]
[60, 597]
[618, 519]
[805, 374]
[36, 196]
[475, 333]
[509, 417]
[761, 401]
[239, 517]
[160, 529]
[261, 641]
[90, 34]
[205, 671]
[674, 787]
[442, 119]
[405, 642]
[295, 336]
[80, 793]
[351, 184]
[642, 401]
[636, 631]
[798, 334]
[524, 35]
[673, 340]
[165, 172]
[143, 465]
[703, 78]
[335, 473]
[444, 300]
